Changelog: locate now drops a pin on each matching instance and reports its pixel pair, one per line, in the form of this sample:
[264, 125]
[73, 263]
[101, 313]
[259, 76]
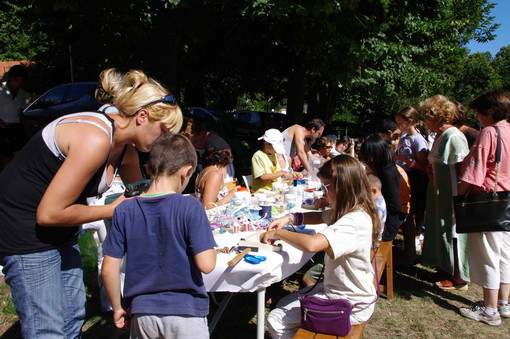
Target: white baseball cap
[275, 138]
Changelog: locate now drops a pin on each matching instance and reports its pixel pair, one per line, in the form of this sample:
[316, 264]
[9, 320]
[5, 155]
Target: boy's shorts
[148, 326]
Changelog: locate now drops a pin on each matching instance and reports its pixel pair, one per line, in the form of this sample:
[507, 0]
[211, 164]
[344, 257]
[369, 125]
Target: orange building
[5, 65]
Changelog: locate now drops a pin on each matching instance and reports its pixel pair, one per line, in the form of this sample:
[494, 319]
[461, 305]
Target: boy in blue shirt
[168, 244]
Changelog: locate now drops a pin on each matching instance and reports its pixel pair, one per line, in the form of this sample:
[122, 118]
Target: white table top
[246, 277]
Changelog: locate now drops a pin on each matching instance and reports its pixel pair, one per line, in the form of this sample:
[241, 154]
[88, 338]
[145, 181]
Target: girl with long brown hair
[353, 226]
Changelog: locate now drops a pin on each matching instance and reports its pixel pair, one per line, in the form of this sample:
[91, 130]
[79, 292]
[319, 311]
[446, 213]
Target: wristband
[297, 218]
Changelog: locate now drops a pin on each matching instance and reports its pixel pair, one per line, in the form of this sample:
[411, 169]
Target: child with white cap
[265, 166]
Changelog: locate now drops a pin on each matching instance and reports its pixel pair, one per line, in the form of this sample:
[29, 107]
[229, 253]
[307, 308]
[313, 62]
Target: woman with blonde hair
[43, 199]
[443, 248]
[108, 86]
[353, 227]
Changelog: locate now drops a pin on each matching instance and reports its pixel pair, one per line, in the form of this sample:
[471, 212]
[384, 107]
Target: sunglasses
[328, 147]
[167, 99]
[324, 188]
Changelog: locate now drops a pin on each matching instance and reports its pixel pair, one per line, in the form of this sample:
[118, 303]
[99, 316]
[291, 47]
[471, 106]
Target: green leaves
[248, 53]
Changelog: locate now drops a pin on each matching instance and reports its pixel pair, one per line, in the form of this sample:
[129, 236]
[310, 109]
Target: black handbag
[484, 212]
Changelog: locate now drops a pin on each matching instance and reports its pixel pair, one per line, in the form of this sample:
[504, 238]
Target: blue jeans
[48, 291]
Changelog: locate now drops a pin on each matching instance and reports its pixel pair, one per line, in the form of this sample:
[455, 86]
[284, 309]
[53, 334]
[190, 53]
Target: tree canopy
[352, 60]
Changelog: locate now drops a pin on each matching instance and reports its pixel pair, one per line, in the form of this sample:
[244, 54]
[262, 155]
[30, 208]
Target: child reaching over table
[353, 226]
[168, 243]
[265, 165]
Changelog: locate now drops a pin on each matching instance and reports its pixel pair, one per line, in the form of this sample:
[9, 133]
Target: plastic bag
[88, 249]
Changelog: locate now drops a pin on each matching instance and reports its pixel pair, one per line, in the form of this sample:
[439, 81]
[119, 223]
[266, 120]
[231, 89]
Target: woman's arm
[305, 242]
[86, 148]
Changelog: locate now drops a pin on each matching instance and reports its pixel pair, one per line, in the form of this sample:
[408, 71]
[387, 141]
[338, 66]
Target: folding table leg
[219, 311]
[261, 312]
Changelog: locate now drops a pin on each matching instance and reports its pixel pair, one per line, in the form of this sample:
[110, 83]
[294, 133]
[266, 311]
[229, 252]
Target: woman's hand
[279, 223]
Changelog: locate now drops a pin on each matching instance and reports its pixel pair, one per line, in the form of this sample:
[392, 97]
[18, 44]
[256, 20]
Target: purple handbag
[328, 316]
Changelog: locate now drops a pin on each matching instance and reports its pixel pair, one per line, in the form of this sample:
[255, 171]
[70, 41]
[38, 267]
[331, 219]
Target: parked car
[62, 100]
[254, 123]
[204, 113]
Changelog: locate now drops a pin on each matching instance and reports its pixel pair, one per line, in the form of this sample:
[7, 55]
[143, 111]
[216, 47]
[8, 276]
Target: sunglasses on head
[167, 99]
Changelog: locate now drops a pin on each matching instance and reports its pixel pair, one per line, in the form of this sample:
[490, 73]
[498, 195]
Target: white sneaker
[504, 310]
[478, 313]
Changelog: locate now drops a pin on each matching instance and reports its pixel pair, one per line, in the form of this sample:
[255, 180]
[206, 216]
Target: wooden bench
[355, 333]
[384, 261]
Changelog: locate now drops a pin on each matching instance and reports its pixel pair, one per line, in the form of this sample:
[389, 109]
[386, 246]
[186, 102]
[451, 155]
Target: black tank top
[22, 185]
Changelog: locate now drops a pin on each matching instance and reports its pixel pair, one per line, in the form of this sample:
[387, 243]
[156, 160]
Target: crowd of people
[402, 178]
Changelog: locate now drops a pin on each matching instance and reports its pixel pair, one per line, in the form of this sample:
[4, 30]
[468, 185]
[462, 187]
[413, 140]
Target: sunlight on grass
[6, 304]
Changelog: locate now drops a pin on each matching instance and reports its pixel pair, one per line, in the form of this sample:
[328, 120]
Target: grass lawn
[419, 310]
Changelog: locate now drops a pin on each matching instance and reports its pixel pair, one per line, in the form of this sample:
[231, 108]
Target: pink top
[478, 167]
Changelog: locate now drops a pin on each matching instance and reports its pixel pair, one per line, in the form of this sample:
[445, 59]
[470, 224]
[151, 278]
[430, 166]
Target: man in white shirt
[13, 100]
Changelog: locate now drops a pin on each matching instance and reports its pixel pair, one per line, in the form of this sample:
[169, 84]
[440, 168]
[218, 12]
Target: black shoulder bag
[487, 211]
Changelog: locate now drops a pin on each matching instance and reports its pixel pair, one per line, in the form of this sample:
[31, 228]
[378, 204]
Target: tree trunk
[296, 94]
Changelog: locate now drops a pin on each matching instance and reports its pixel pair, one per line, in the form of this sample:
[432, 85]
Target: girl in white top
[353, 227]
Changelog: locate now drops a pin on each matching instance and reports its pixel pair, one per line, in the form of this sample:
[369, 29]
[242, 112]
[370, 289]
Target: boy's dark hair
[17, 71]
[314, 123]
[386, 125]
[169, 153]
[498, 101]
